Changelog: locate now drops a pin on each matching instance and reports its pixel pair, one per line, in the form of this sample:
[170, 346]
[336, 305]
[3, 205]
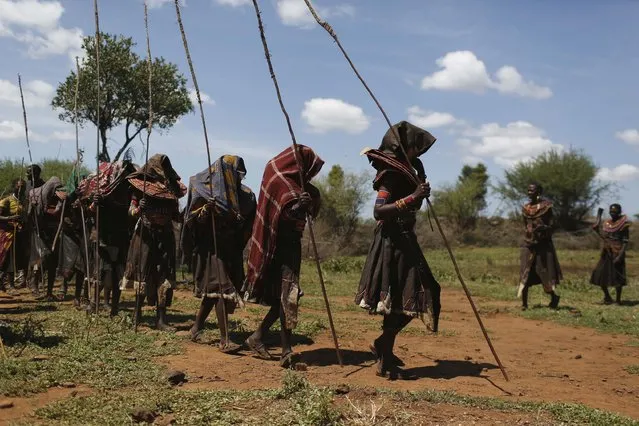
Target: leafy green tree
[123, 91]
[11, 169]
[479, 175]
[462, 202]
[569, 180]
[343, 196]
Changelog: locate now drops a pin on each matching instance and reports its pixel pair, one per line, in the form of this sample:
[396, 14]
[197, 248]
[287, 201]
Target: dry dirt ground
[545, 362]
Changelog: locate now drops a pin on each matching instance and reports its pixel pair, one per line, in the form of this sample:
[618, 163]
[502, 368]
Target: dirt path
[545, 361]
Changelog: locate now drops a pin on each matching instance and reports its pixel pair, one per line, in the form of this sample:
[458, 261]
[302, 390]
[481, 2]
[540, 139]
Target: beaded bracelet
[401, 204]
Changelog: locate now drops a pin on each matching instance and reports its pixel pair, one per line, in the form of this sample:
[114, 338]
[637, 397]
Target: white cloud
[37, 93]
[233, 3]
[10, 130]
[430, 119]
[295, 13]
[463, 71]
[629, 136]
[156, 4]
[36, 23]
[325, 115]
[206, 99]
[517, 141]
[623, 172]
[63, 135]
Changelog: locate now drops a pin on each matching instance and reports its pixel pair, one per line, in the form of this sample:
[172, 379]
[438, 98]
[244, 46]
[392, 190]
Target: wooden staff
[97, 159]
[26, 135]
[299, 167]
[146, 160]
[332, 33]
[77, 167]
[223, 281]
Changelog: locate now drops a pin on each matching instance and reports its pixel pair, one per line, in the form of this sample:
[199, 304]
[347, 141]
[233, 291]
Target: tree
[479, 175]
[343, 196]
[462, 203]
[569, 180]
[123, 91]
[11, 169]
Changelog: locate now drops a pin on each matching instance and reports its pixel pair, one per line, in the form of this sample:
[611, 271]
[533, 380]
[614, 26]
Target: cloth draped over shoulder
[396, 277]
[280, 188]
[233, 200]
[611, 268]
[40, 197]
[111, 176]
[162, 181]
[389, 157]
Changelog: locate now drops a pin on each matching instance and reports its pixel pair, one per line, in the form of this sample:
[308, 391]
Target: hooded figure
[275, 249]
[46, 204]
[396, 280]
[218, 268]
[151, 261]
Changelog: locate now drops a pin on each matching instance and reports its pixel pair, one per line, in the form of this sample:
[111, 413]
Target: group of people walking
[114, 230]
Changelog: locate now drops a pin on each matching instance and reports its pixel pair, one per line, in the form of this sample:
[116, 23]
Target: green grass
[632, 369]
[493, 274]
[80, 349]
[297, 402]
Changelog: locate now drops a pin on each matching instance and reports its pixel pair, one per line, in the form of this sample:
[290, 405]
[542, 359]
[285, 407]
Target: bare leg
[607, 299]
[524, 298]
[221, 311]
[254, 342]
[554, 300]
[618, 295]
[200, 318]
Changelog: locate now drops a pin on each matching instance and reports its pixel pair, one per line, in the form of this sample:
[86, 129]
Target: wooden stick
[332, 33]
[26, 134]
[149, 128]
[97, 159]
[223, 281]
[267, 54]
[85, 237]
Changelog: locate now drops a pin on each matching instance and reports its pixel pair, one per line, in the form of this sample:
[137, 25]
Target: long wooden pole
[77, 168]
[300, 168]
[138, 295]
[223, 281]
[332, 33]
[26, 135]
[97, 159]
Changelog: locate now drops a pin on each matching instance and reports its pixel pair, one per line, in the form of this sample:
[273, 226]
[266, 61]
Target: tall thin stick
[77, 166]
[223, 281]
[267, 54]
[332, 33]
[26, 135]
[146, 152]
[97, 159]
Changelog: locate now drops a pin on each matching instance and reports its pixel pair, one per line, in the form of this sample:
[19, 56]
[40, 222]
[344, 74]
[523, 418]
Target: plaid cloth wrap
[280, 188]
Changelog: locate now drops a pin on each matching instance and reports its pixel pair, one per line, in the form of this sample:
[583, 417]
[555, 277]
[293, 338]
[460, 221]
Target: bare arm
[384, 210]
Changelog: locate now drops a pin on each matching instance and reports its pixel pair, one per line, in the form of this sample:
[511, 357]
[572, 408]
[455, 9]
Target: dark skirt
[71, 254]
[281, 282]
[150, 265]
[607, 273]
[224, 280]
[18, 248]
[540, 265]
[397, 279]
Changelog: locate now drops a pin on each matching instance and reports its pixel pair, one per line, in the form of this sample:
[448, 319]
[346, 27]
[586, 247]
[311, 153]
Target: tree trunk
[129, 139]
[104, 152]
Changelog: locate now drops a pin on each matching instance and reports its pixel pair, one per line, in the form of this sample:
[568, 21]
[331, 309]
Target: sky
[495, 81]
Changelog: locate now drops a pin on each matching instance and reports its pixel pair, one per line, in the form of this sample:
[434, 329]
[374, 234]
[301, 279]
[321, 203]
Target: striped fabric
[280, 188]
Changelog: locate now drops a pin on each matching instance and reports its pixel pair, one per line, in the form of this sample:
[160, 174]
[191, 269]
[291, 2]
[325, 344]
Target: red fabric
[280, 188]
[111, 175]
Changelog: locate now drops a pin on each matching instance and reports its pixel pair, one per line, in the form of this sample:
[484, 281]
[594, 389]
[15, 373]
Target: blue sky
[495, 81]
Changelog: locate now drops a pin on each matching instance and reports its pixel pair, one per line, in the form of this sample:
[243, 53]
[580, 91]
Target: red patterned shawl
[280, 187]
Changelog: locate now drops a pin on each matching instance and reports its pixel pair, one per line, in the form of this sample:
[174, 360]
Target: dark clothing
[396, 277]
[150, 265]
[280, 189]
[615, 235]
[538, 258]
